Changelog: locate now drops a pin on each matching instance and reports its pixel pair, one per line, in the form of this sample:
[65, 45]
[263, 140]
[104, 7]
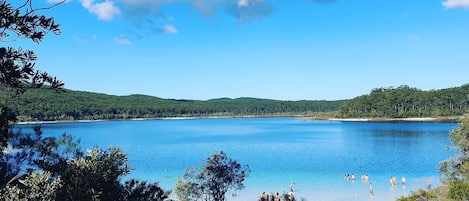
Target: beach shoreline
[371, 119]
[408, 119]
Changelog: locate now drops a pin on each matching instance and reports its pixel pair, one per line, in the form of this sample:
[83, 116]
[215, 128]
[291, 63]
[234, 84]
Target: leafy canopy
[219, 174]
[17, 65]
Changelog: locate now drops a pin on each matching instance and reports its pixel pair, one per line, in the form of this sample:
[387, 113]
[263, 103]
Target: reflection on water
[313, 154]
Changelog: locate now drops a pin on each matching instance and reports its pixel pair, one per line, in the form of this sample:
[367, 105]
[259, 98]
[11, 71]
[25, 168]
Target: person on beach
[277, 197]
[393, 181]
[364, 178]
[262, 197]
[429, 183]
[291, 196]
[403, 180]
[353, 177]
[291, 186]
[371, 190]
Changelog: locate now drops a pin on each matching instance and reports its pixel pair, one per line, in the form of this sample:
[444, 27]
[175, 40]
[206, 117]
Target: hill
[391, 102]
[48, 105]
[405, 101]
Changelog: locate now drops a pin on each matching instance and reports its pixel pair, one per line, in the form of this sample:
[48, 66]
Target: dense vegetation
[405, 101]
[215, 178]
[34, 167]
[44, 105]
[39, 104]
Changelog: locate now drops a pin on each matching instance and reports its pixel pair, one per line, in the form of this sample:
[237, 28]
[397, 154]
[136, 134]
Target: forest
[41, 104]
[405, 101]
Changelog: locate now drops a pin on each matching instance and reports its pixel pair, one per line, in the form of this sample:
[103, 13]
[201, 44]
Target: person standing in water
[291, 186]
[371, 190]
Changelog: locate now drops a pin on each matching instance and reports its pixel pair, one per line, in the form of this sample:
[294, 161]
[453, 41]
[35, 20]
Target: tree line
[405, 101]
[40, 104]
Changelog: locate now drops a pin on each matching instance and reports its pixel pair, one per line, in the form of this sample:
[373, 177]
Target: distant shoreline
[408, 119]
[371, 119]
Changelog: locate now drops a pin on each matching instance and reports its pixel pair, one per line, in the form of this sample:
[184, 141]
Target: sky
[275, 49]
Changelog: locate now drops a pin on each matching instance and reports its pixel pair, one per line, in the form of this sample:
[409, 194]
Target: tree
[457, 168]
[38, 186]
[68, 175]
[140, 191]
[218, 175]
[17, 72]
[17, 65]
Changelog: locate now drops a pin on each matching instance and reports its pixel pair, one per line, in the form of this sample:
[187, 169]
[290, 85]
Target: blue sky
[277, 49]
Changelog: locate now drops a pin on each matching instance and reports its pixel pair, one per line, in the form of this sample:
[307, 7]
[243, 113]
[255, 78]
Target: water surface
[313, 154]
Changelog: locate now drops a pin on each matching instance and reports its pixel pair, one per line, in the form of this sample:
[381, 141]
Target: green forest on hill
[405, 101]
[392, 102]
[48, 105]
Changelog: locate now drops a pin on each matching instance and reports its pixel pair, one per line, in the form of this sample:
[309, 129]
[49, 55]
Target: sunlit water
[313, 154]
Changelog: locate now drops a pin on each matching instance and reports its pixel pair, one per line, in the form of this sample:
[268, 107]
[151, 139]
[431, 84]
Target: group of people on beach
[348, 177]
[269, 197]
[365, 178]
[393, 181]
[277, 197]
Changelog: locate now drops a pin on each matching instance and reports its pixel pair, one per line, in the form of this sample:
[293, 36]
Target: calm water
[313, 154]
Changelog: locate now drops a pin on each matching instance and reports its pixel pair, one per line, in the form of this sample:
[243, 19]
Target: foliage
[97, 177]
[52, 168]
[140, 191]
[32, 150]
[38, 186]
[456, 169]
[17, 71]
[459, 191]
[44, 105]
[218, 175]
[420, 195]
[405, 101]
[17, 65]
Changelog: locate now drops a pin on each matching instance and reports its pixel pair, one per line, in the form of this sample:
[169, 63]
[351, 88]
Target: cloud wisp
[242, 10]
[123, 40]
[104, 10]
[456, 4]
[247, 10]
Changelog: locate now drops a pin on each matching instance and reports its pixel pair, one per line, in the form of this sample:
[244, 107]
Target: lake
[314, 154]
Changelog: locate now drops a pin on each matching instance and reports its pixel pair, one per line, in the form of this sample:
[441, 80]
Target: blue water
[313, 154]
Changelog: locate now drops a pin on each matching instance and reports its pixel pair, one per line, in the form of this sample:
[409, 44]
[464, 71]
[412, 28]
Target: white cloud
[122, 40]
[169, 29]
[243, 3]
[105, 10]
[456, 4]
